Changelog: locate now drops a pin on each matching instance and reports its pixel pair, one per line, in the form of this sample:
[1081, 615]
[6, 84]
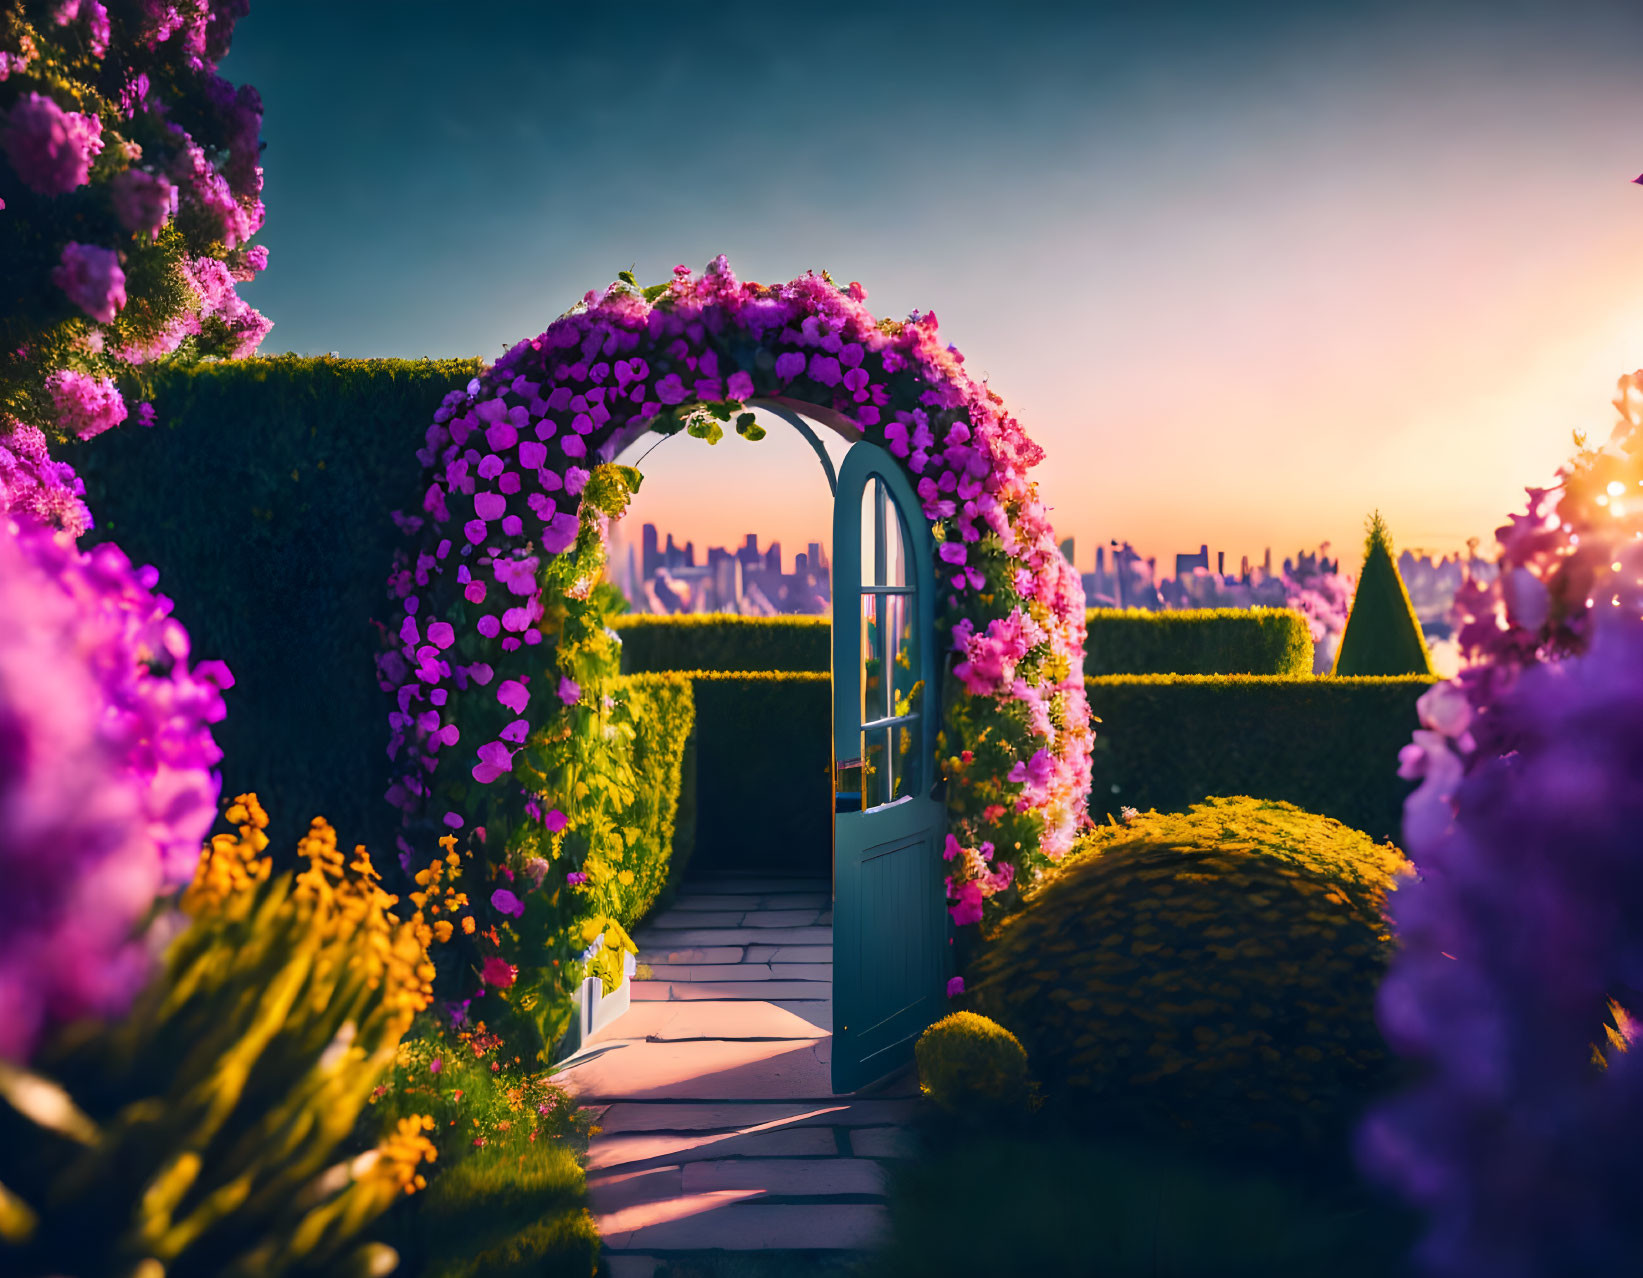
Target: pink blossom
[143, 202]
[86, 406]
[51, 149]
[498, 972]
[93, 280]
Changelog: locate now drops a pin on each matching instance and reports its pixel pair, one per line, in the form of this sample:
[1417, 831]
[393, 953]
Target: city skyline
[1252, 271]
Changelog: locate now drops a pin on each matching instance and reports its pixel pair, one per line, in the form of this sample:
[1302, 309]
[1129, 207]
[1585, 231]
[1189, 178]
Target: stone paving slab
[804, 1177]
[717, 1221]
[671, 1116]
[796, 901]
[730, 886]
[662, 953]
[741, 972]
[676, 919]
[738, 936]
[780, 918]
[677, 991]
[687, 1019]
[702, 1070]
[713, 972]
[635, 1149]
[781, 954]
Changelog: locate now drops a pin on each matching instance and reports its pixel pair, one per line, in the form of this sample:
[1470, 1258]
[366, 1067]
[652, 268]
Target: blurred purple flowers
[106, 780]
[1526, 917]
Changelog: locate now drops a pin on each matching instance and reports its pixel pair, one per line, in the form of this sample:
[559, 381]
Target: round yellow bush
[970, 1065]
[1214, 970]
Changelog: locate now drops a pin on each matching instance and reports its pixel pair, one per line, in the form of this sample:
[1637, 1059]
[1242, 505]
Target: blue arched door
[890, 934]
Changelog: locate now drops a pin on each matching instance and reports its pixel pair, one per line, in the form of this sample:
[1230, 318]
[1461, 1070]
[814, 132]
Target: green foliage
[971, 1066]
[764, 795]
[263, 495]
[1205, 641]
[586, 759]
[1383, 635]
[1057, 1206]
[197, 1136]
[1212, 971]
[507, 1187]
[1327, 745]
[725, 642]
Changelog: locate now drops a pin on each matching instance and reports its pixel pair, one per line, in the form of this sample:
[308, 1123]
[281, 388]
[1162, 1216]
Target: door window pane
[875, 756]
[874, 686]
[905, 740]
[901, 652]
[895, 546]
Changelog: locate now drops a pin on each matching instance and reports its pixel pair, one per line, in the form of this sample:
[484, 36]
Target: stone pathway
[720, 1130]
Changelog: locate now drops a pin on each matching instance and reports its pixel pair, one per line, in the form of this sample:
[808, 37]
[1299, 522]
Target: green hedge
[262, 496]
[725, 642]
[662, 712]
[764, 796]
[1206, 641]
[1327, 745]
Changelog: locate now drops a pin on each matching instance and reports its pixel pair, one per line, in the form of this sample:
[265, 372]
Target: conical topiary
[1383, 635]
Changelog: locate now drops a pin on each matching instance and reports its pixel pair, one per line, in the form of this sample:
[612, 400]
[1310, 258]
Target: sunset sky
[1245, 276]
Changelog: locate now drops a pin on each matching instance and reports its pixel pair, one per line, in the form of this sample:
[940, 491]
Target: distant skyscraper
[1067, 549]
[773, 558]
[650, 558]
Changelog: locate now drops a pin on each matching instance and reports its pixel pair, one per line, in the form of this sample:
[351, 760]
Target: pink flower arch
[506, 462]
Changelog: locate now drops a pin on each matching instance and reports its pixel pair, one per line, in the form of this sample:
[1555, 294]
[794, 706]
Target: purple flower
[512, 693]
[789, 365]
[98, 821]
[441, 635]
[555, 821]
[495, 760]
[51, 149]
[569, 692]
[955, 986]
[506, 903]
[143, 201]
[489, 506]
[576, 878]
[93, 280]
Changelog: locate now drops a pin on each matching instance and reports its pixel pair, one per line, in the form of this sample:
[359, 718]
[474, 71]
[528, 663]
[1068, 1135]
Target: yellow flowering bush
[204, 1133]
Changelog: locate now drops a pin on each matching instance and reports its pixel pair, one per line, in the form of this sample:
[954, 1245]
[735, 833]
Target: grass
[507, 1195]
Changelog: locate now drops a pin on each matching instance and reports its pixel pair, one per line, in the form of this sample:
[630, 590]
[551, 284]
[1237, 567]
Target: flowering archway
[520, 491]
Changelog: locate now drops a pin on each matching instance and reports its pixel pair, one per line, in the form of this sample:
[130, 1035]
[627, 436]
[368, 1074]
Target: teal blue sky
[1247, 272]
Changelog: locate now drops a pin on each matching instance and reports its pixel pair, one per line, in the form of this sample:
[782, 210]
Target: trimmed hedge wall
[661, 709]
[764, 794]
[262, 496]
[725, 642]
[1205, 641]
[1326, 745]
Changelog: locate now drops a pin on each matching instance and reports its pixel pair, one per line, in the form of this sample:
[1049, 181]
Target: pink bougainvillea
[51, 149]
[86, 406]
[506, 461]
[107, 784]
[132, 166]
[93, 280]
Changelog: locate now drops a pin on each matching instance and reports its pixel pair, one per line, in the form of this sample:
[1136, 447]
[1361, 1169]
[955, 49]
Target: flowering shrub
[200, 1135]
[519, 486]
[1524, 922]
[1560, 565]
[107, 781]
[130, 188]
